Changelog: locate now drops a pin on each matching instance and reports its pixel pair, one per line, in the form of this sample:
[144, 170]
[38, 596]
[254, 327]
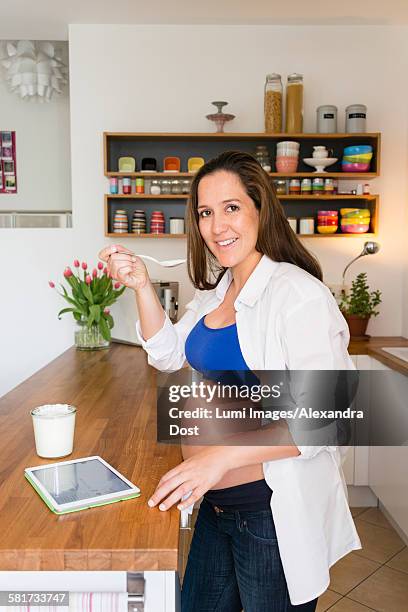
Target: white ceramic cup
[54, 426]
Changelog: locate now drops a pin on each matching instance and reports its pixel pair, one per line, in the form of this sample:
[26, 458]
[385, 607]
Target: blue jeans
[234, 564]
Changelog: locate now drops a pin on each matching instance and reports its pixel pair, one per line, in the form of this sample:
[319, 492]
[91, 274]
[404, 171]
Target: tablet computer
[68, 486]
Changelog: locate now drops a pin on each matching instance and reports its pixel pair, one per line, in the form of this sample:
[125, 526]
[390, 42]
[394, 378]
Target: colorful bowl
[363, 158]
[171, 164]
[358, 228]
[195, 163]
[327, 229]
[358, 149]
[358, 213]
[353, 167]
[286, 164]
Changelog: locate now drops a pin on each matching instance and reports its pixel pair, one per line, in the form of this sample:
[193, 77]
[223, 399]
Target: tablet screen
[74, 482]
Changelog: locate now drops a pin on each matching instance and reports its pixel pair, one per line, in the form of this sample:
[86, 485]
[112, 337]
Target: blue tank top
[209, 350]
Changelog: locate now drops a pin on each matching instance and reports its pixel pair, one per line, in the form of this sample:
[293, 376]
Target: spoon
[167, 263]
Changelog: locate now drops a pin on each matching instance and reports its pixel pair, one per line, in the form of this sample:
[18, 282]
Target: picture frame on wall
[8, 173]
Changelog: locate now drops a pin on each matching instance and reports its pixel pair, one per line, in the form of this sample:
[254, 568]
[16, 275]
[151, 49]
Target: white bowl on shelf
[320, 164]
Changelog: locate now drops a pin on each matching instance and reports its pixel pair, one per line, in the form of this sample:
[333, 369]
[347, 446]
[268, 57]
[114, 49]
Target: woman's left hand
[197, 474]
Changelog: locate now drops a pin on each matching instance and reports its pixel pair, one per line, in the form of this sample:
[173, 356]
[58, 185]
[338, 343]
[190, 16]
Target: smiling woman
[256, 543]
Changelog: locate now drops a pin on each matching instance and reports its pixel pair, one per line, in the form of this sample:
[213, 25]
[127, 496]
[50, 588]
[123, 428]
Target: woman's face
[228, 218]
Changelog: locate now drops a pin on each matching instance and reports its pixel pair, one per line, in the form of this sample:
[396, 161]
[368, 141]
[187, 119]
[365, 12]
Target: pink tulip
[84, 265]
[51, 284]
[76, 263]
[105, 271]
[100, 265]
[117, 285]
[94, 273]
[68, 272]
[106, 311]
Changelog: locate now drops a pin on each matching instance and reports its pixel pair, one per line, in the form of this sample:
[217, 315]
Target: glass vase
[89, 338]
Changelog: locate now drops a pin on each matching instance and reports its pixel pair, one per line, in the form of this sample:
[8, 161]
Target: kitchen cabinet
[388, 465]
[115, 395]
[209, 145]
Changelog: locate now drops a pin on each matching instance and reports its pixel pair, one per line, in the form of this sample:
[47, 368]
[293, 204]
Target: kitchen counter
[115, 394]
[372, 346]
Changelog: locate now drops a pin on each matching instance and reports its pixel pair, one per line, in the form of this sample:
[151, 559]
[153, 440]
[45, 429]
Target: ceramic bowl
[358, 149]
[287, 153]
[353, 167]
[364, 158]
[286, 164]
[288, 144]
[361, 213]
[327, 229]
[357, 228]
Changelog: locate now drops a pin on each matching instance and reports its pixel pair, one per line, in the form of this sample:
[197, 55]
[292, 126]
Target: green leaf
[64, 310]
[105, 331]
[94, 314]
[87, 292]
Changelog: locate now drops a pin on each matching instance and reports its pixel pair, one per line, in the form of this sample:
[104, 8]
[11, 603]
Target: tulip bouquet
[90, 298]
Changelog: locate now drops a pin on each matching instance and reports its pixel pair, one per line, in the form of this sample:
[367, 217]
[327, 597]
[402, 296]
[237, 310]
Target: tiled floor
[373, 578]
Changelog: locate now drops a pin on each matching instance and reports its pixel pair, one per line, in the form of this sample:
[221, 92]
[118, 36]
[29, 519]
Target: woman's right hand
[124, 266]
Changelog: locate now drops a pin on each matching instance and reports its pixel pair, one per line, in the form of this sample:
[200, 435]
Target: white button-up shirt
[286, 319]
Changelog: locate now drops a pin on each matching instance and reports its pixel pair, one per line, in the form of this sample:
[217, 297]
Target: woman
[274, 518]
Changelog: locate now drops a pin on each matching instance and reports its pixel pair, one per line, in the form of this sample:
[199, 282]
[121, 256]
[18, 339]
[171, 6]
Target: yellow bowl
[195, 163]
[327, 229]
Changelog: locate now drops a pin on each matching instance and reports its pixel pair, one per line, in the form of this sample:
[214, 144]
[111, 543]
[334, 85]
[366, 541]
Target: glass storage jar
[176, 187]
[273, 103]
[185, 186]
[165, 186]
[294, 104]
[280, 186]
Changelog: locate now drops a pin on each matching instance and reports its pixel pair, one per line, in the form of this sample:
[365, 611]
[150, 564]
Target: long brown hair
[276, 239]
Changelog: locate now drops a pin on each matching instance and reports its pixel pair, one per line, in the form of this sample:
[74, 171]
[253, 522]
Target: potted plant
[359, 305]
[89, 299]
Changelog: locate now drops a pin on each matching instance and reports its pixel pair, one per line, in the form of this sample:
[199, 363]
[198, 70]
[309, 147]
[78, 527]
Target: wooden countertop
[115, 394]
[372, 346]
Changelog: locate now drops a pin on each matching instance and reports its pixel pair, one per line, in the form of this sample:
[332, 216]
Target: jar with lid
[165, 186]
[294, 186]
[329, 186]
[294, 104]
[306, 186]
[185, 186]
[356, 117]
[326, 119]
[273, 103]
[155, 187]
[262, 156]
[280, 186]
[176, 187]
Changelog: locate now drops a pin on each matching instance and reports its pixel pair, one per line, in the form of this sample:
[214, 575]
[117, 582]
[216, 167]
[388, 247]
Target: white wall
[42, 144]
[158, 78]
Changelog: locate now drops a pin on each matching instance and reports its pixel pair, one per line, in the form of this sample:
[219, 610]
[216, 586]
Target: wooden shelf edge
[340, 235]
[238, 135]
[338, 175]
[131, 235]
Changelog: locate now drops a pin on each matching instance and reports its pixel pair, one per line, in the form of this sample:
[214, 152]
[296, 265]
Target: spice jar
[326, 119]
[273, 103]
[280, 186]
[155, 188]
[317, 186]
[262, 156]
[176, 187]
[356, 116]
[165, 186]
[306, 186]
[127, 186]
[185, 186]
[294, 186]
[140, 185]
[329, 186]
[294, 104]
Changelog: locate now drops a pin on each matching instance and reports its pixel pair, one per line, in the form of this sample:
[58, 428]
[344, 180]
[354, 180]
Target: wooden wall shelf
[208, 145]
